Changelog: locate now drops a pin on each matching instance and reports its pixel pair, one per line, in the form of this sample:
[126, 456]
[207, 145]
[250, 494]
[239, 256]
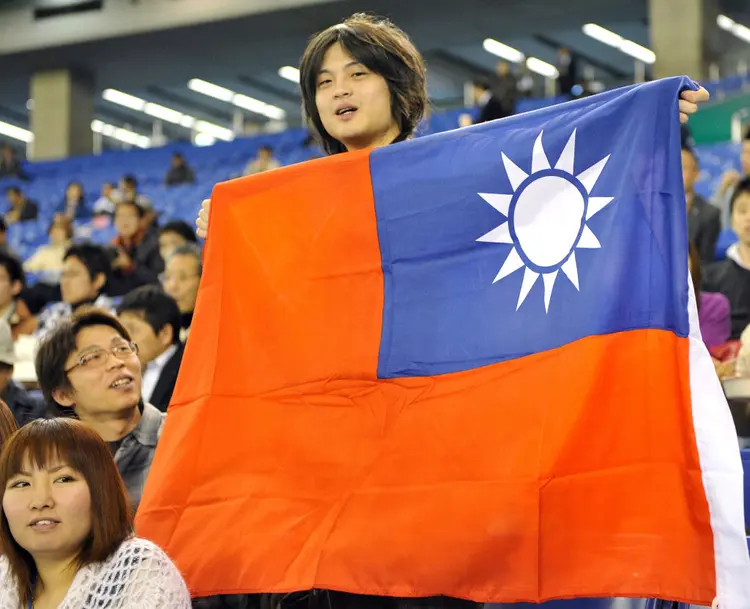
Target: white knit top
[139, 575]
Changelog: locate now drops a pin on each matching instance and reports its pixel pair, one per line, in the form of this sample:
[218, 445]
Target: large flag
[465, 365]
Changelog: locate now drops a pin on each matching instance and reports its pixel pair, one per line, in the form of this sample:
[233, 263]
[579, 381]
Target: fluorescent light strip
[163, 113]
[238, 99]
[220, 133]
[123, 135]
[290, 73]
[730, 25]
[542, 67]
[605, 36]
[503, 50]
[17, 133]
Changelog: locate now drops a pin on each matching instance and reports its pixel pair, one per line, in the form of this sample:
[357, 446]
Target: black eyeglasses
[98, 357]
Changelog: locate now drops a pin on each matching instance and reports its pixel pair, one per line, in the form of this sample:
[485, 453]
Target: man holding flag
[480, 377]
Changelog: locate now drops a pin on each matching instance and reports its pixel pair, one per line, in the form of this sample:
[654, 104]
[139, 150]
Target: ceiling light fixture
[237, 99]
[605, 36]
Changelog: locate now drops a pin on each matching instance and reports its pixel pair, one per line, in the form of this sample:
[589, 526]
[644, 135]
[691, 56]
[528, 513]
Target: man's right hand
[202, 221]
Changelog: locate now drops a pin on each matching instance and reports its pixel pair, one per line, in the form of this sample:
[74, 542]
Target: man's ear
[64, 398]
[99, 281]
[166, 335]
[15, 288]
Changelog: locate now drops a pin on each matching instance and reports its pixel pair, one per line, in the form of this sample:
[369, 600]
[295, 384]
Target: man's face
[76, 284]
[105, 384]
[150, 344]
[741, 217]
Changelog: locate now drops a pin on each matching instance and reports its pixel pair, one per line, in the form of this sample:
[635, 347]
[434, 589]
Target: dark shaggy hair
[382, 48]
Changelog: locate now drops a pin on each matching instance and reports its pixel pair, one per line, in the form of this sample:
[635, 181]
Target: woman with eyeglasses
[66, 528]
[88, 368]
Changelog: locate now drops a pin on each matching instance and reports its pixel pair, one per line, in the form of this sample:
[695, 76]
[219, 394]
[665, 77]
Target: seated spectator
[84, 277]
[10, 165]
[73, 206]
[180, 172]
[67, 532]
[731, 277]
[265, 161]
[12, 308]
[704, 220]
[105, 204]
[173, 235]
[88, 368]
[182, 278]
[48, 259]
[128, 191]
[153, 320]
[21, 209]
[138, 261]
[23, 405]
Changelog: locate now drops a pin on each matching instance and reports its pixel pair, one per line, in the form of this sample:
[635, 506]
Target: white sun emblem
[546, 218]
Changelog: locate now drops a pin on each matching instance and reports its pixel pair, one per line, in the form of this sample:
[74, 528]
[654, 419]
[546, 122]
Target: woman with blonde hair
[66, 528]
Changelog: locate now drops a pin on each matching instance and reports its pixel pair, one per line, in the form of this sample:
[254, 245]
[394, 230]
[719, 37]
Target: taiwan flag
[464, 365]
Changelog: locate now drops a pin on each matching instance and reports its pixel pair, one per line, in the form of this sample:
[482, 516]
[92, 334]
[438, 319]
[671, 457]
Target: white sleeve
[8, 589]
[155, 582]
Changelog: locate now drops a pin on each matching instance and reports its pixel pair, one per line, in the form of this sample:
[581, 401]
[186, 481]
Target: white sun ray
[501, 234]
[570, 268]
[567, 158]
[549, 283]
[539, 161]
[589, 177]
[596, 204]
[500, 202]
[529, 279]
[546, 218]
[588, 240]
[516, 175]
[512, 263]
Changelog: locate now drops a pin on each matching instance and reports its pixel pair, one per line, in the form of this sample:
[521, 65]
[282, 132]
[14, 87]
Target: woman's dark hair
[42, 442]
[382, 48]
[695, 271]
